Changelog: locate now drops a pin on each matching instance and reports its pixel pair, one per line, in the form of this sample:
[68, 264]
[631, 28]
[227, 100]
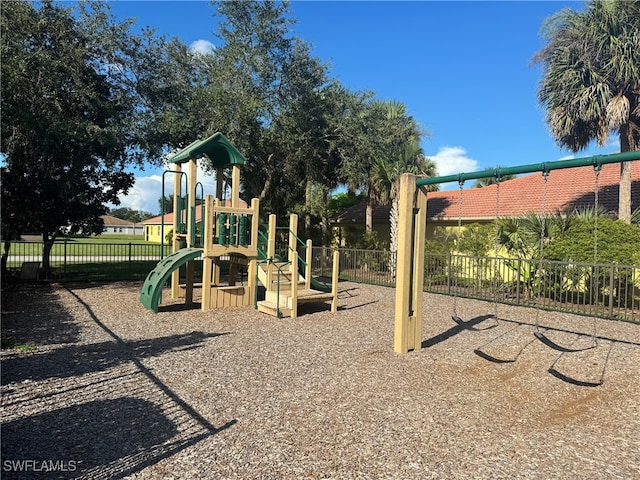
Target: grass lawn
[107, 239]
[100, 247]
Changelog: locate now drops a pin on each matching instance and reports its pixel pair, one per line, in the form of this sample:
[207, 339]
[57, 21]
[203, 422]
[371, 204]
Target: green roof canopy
[216, 148]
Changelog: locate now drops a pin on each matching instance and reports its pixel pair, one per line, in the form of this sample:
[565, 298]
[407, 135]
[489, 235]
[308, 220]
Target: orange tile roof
[110, 221]
[168, 217]
[566, 189]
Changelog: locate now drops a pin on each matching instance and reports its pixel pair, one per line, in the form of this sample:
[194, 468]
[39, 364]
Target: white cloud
[144, 194]
[147, 189]
[202, 47]
[452, 160]
[567, 157]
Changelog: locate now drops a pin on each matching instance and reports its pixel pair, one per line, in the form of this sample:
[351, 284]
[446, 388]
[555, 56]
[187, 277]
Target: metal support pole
[595, 161]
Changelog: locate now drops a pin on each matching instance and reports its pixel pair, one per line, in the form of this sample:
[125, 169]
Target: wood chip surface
[112, 390]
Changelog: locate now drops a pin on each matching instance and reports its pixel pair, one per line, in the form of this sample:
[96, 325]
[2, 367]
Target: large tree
[383, 134]
[261, 78]
[66, 120]
[591, 80]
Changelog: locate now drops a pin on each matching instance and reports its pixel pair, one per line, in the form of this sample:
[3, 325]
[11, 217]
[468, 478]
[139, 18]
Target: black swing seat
[560, 348]
[493, 359]
[483, 350]
[573, 381]
[470, 325]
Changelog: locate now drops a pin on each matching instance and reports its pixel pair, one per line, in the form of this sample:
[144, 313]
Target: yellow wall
[152, 232]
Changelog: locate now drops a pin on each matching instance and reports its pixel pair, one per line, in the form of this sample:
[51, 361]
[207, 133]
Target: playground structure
[412, 228]
[232, 234]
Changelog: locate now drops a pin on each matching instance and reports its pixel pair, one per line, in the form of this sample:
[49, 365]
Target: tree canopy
[63, 132]
[69, 114]
[84, 97]
[591, 80]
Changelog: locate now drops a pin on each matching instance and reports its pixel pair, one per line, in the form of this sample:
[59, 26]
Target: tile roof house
[153, 226]
[117, 226]
[566, 190]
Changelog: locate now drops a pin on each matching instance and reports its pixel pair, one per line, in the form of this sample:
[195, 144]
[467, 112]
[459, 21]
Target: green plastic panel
[151, 292]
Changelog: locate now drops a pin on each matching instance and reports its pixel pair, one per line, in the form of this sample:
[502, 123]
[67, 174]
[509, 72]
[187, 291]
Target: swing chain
[543, 233]
[496, 272]
[596, 206]
[455, 294]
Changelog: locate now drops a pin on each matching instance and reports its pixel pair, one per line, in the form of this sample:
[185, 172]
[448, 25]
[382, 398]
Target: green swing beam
[596, 161]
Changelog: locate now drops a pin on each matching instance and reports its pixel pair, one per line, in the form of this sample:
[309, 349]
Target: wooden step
[285, 285]
[271, 308]
[304, 296]
[311, 295]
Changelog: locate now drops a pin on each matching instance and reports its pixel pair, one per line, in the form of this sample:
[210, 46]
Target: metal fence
[71, 260]
[605, 290]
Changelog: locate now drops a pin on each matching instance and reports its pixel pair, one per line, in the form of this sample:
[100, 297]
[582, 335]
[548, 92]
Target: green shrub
[477, 239]
[618, 243]
[369, 241]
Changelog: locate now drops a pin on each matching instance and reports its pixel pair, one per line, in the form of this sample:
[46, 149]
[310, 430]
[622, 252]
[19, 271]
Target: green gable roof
[216, 148]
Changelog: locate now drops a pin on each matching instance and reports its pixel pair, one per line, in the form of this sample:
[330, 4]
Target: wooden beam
[404, 321]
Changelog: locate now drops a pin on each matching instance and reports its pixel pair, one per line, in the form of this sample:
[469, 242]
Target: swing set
[411, 241]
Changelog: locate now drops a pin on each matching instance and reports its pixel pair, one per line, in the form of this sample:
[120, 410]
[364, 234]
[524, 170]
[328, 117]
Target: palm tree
[591, 80]
[393, 131]
[385, 176]
[486, 181]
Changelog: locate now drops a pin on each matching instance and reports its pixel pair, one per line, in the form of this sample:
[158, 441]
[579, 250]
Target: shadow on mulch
[75, 360]
[101, 438]
[31, 313]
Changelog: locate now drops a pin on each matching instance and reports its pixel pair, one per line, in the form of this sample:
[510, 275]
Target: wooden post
[293, 231]
[207, 261]
[235, 186]
[308, 259]
[192, 179]
[294, 285]
[410, 268]
[271, 246]
[215, 269]
[252, 270]
[334, 283]
[255, 223]
[177, 183]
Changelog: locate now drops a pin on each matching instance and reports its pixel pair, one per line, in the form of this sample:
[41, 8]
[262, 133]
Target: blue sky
[463, 69]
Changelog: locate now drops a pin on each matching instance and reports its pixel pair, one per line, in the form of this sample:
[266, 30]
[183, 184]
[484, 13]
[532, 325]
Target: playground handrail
[178, 211]
[279, 266]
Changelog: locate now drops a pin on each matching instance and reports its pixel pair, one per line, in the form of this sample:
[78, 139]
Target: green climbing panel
[151, 292]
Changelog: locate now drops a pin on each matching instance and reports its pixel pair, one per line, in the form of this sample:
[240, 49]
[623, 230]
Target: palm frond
[617, 111]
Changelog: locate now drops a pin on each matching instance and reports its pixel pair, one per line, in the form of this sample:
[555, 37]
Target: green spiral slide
[151, 292]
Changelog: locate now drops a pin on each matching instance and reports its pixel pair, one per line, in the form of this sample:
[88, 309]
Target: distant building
[153, 231]
[117, 226]
[566, 190]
